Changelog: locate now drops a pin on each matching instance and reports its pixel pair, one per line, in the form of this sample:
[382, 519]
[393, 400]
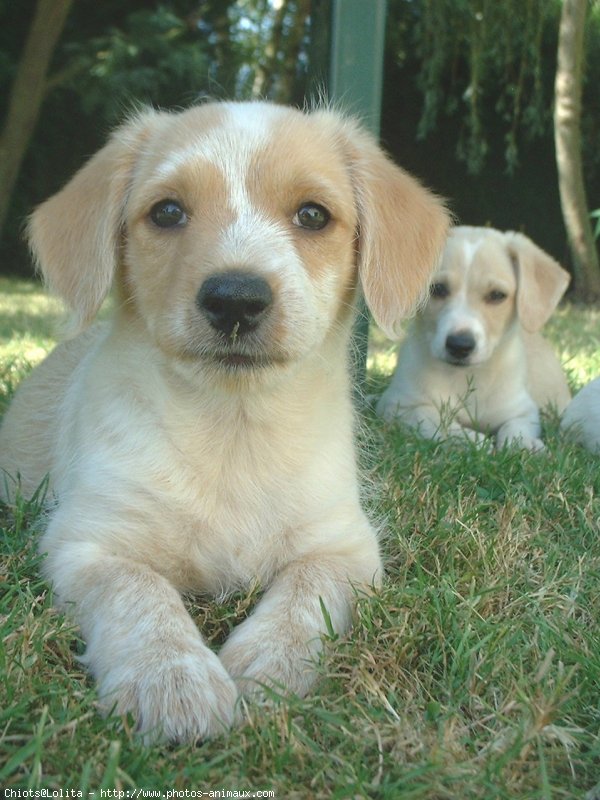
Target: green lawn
[474, 673]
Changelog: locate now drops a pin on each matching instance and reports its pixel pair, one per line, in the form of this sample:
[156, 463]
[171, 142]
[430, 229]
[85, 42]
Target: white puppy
[203, 439]
[473, 361]
[581, 419]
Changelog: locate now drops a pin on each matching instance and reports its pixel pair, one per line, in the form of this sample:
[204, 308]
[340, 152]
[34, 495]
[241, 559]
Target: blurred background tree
[112, 56]
[27, 93]
[484, 93]
[467, 105]
[567, 140]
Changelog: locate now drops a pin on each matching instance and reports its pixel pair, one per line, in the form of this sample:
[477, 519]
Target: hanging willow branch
[483, 50]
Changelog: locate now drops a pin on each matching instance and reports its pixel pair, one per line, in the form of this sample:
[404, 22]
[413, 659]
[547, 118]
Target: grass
[473, 673]
[29, 320]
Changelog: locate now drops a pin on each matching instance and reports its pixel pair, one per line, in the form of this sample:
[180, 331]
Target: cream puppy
[473, 361]
[581, 419]
[202, 440]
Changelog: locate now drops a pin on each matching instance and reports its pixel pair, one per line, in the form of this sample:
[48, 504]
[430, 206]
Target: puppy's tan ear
[75, 234]
[541, 281]
[402, 231]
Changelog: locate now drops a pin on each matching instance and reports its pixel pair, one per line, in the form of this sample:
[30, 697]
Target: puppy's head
[238, 232]
[488, 280]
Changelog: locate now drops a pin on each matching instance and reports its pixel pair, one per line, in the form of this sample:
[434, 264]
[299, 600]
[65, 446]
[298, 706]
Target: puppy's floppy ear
[75, 234]
[402, 231]
[541, 281]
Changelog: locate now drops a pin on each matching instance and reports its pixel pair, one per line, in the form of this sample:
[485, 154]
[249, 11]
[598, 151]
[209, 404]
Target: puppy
[203, 439]
[474, 362]
[581, 419]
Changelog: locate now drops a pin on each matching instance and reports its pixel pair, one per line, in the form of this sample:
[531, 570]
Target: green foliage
[491, 63]
[272, 41]
[175, 51]
[115, 55]
[153, 53]
[484, 70]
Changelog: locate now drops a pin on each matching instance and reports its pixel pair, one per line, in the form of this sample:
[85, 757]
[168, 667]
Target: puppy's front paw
[521, 442]
[388, 407]
[531, 443]
[255, 659]
[460, 433]
[182, 697]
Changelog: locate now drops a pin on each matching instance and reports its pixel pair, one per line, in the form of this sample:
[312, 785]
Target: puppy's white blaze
[264, 247]
[457, 317]
[179, 159]
[229, 147]
[469, 250]
[250, 133]
[257, 243]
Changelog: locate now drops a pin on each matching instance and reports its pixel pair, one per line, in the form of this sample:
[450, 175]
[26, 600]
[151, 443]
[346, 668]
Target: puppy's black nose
[460, 345]
[234, 302]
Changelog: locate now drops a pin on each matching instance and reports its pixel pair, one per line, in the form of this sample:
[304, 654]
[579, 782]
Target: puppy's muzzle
[234, 302]
[460, 345]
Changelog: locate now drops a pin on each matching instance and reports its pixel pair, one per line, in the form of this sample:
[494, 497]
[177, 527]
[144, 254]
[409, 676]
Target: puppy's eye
[312, 216]
[495, 296]
[168, 214]
[439, 290]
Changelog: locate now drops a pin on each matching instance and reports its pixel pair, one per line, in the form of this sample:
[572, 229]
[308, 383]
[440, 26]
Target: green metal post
[348, 38]
[356, 57]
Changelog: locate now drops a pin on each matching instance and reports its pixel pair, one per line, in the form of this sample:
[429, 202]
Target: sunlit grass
[30, 321]
[474, 673]
[29, 318]
[574, 331]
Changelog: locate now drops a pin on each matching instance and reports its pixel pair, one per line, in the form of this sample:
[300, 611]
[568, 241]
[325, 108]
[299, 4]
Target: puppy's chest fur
[485, 392]
[214, 493]
[478, 399]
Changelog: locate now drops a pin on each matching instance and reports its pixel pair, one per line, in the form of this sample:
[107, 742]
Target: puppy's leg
[388, 406]
[522, 430]
[142, 646]
[394, 407]
[432, 424]
[518, 433]
[278, 644]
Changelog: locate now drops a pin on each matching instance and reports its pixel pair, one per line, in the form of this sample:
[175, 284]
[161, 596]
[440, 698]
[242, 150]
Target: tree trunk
[567, 137]
[287, 91]
[27, 94]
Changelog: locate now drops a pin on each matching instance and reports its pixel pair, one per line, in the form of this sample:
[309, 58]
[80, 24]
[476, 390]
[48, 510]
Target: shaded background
[467, 103]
